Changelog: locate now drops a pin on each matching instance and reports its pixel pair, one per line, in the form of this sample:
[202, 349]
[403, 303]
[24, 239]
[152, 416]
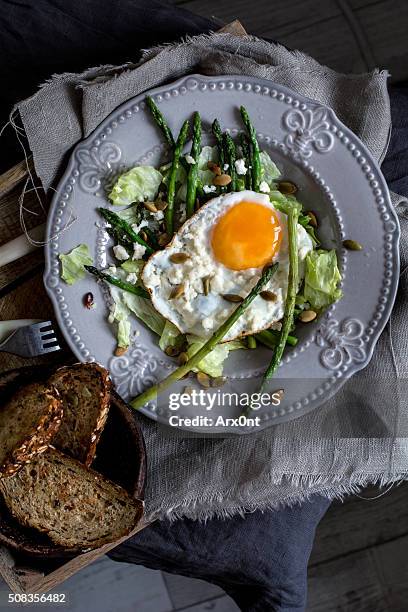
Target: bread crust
[38, 440]
[104, 396]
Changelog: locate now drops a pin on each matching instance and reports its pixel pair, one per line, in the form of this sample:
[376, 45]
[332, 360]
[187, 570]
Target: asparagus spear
[161, 121]
[216, 129]
[270, 338]
[171, 190]
[151, 393]
[118, 282]
[293, 214]
[251, 342]
[121, 239]
[230, 157]
[122, 225]
[193, 170]
[256, 162]
[246, 152]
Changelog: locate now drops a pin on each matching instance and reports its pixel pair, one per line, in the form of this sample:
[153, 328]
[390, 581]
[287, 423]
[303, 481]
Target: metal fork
[31, 340]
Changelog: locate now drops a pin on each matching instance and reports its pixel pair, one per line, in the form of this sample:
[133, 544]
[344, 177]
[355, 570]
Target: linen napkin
[357, 438]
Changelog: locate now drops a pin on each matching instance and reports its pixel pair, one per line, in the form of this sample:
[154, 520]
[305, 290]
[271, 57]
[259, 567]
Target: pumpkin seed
[312, 217]
[120, 350]
[222, 180]
[161, 204]
[183, 358]
[307, 316]
[352, 245]
[214, 168]
[218, 381]
[280, 393]
[176, 292]
[269, 296]
[206, 285]
[232, 297]
[150, 206]
[172, 351]
[203, 379]
[287, 187]
[178, 258]
[163, 240]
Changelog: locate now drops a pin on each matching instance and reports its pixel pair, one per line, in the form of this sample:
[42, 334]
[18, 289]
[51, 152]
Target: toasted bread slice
[84, 389]
[27, 424]
[75, 506]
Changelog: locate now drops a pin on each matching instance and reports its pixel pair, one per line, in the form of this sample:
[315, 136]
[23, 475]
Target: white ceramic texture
[337, 178]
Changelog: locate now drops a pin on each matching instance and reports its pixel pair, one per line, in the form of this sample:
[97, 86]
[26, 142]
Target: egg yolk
[248, 235]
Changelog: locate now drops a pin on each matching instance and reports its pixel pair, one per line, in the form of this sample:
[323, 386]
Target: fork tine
[51, 349]
[44, 326]
[49, 335]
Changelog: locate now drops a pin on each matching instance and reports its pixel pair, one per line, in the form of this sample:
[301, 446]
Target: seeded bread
[75, 506]
[84, 389]
[27, 424]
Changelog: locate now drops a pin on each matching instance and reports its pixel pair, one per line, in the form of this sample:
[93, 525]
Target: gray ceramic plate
[338, 179]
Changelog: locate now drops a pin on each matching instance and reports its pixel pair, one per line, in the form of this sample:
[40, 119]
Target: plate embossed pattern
[310, 144]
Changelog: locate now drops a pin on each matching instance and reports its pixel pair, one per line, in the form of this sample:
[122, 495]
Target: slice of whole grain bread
[27, 424]
[84, 389]
[75, 506]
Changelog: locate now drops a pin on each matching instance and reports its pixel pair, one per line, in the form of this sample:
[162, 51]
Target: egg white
[200, 314]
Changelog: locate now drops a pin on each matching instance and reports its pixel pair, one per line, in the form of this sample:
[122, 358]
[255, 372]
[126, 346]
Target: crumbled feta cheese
[159, 215]
[138, 251]
[207, 323]
[189, 159]
[111, 270]
[132, 278]
[209, 188]
[240, 166]
[136, 227]
[225, 167]
[277, 326]
[264, 187]
[120, 252]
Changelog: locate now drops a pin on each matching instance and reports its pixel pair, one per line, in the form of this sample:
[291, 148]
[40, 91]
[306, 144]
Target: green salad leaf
[138, 184]
[284, 203]
[213, 363]
[73, 264]
[123, 336]
[145, 311]
[321, 278]
[207, 154]
[269, 170]
[170, 336]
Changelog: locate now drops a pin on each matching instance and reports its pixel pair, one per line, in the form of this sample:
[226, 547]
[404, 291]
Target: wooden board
[347, 35]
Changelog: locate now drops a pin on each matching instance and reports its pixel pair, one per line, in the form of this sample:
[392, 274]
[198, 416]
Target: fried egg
[218, 255]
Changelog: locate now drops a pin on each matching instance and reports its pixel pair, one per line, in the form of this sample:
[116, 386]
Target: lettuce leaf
[123, 335]
[170, 336]
[213, 363]
[321, 278]
[73, 264]
[269, 170]
[145, 311]
[284, 203]
[138, 184]
[207, 154]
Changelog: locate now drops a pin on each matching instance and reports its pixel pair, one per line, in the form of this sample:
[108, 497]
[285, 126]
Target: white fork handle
[20, 246]
[6, 327]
